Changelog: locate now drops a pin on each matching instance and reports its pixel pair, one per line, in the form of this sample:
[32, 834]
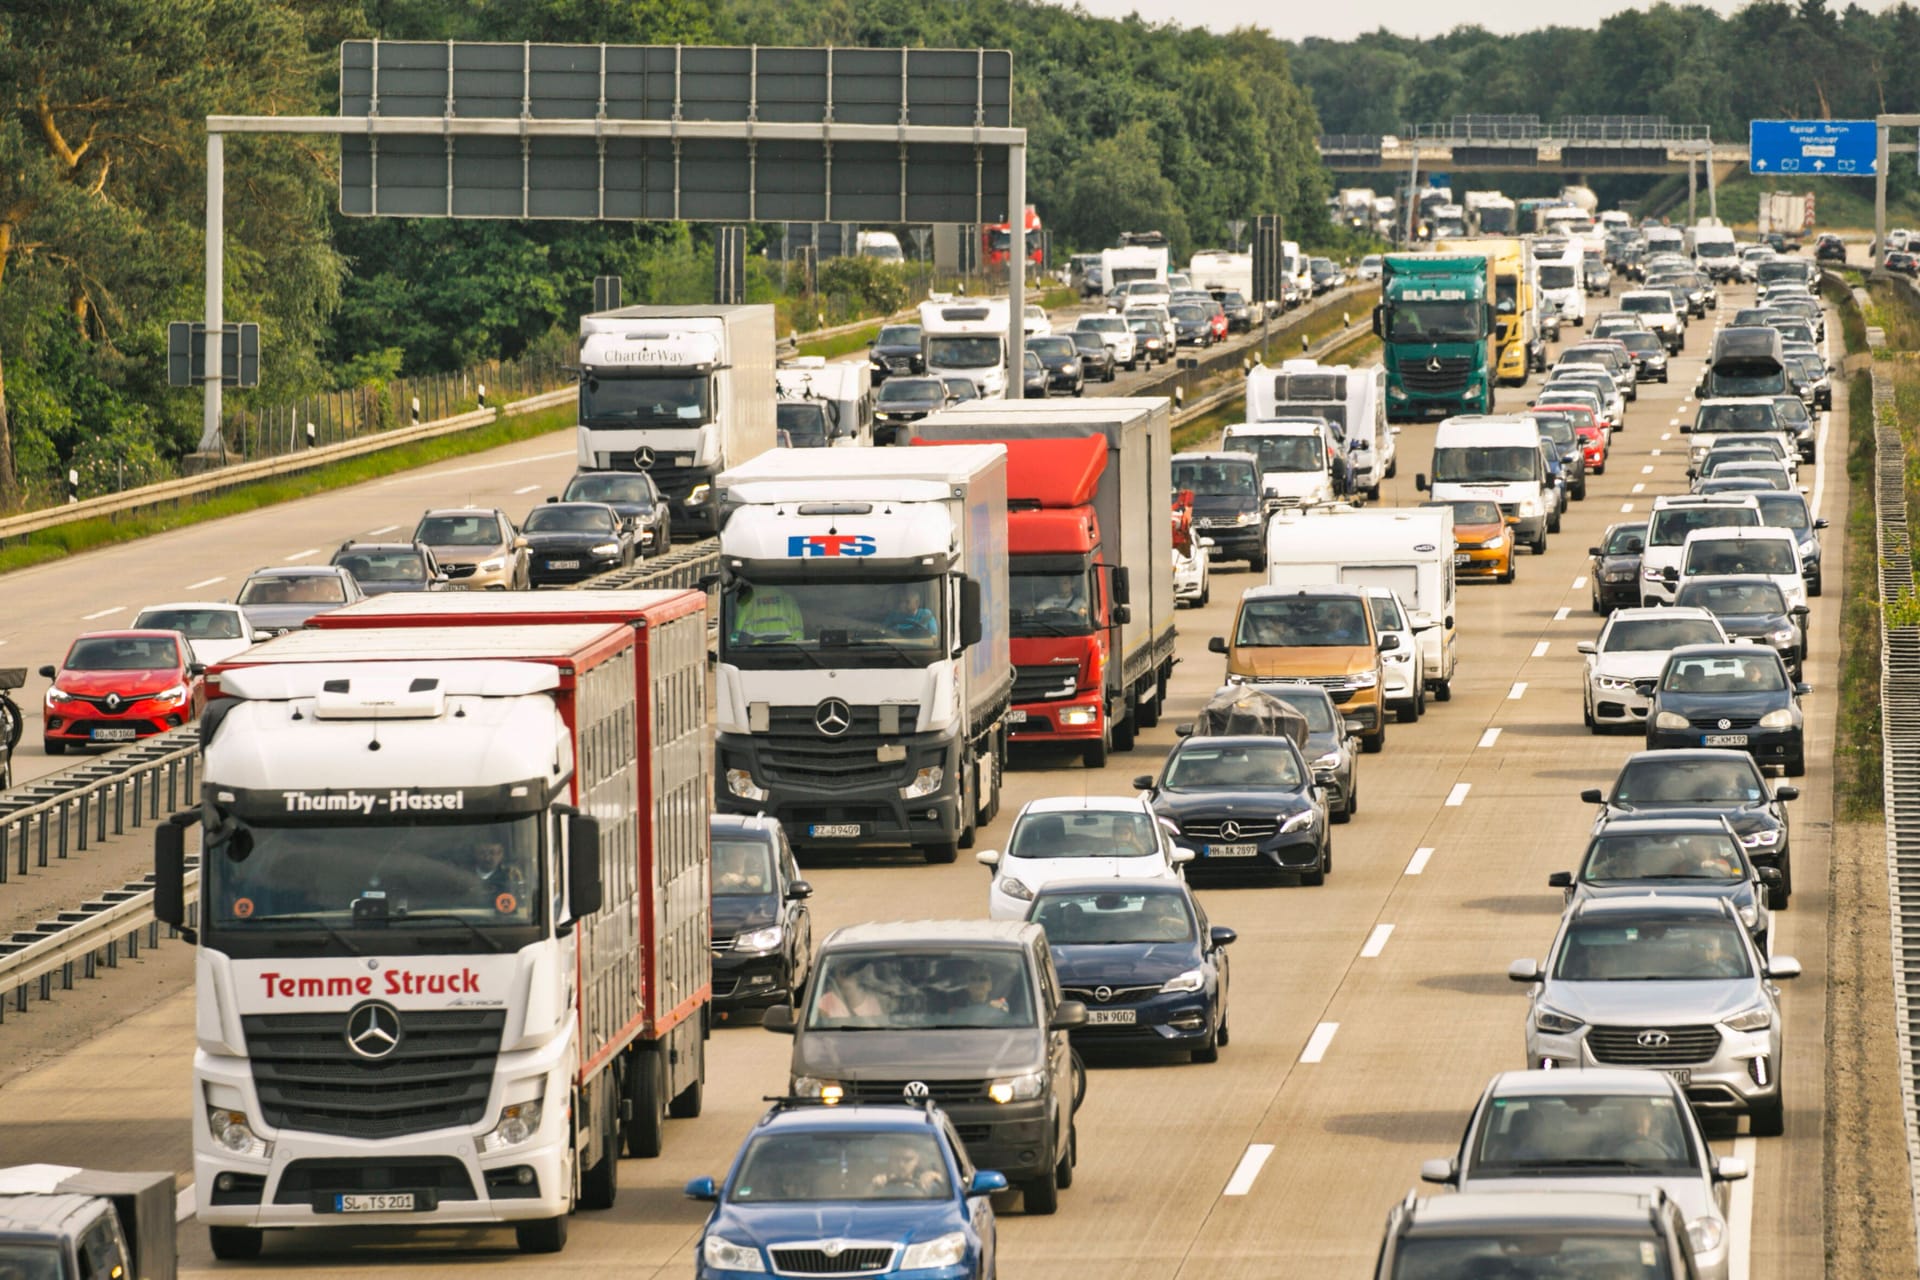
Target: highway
[1367, 1014]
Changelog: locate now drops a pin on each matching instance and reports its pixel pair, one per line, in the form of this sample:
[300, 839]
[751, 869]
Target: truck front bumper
[866, 814]
[1079, 719]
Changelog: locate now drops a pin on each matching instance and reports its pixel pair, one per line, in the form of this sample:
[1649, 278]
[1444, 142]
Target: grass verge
[1857, 750]
[842, 344]
[86, 535]
[1853, 326]
[1892, 311]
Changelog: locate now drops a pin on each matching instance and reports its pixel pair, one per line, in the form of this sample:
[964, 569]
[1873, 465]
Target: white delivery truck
[1715, 251]
[1562, 281]
[864, 673]
[1409, 549]
[966, 338]
[1212, 269]
[680, 392]
[1351, 397]
[824, 404]
[1293, 456]
[1494, 457]
[883, 245]
[1133, 262]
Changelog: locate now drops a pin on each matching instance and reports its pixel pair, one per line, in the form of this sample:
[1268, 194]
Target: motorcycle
[12, 722]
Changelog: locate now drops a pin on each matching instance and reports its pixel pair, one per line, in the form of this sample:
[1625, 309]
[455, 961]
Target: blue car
[1143, 959]
[871, 1190]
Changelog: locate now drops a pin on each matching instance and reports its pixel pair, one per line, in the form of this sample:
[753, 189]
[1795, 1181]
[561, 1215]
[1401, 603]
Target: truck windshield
[964, 353]
[31, 1262]
[1049, 604]
[1434, 322]
[1486, 464]
[1282, 453]
[766, 626]
[1556, 277]
[677, 401]
[1214, 479]
[365, 876]
[1713, 249]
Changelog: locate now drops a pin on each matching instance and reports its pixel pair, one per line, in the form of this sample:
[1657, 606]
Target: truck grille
[1045, 684]
[1422, 375]
[942, 1091]
[309, 1079]
[308, 1180]
[845, 1260]
[795, 753]
[1620, 1046]
[1248, 829]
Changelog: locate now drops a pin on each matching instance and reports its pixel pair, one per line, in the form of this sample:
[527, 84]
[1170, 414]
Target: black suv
[762, 930]
[895, 349]
[1830, 248]
[1226, 503]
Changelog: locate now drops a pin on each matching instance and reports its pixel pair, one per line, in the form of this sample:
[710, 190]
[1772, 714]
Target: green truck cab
[1439, 338]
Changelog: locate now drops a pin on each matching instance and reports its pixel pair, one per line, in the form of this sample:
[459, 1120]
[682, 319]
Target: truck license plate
[397, 1202]
[563, 564]
[1110, 1017]
[1016, 717]
[112, 735]
[834, 830]
[1681, 1076]
[1232, 850]
[1724, 740]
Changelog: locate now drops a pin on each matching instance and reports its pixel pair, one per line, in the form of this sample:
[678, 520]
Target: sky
[1296, 20]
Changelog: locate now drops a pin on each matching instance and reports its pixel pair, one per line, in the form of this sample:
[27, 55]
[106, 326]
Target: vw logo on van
[916, 1089]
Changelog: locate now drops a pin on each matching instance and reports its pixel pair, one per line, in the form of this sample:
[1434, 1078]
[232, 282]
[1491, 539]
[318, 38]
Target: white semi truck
[864, 675]
[680, 392]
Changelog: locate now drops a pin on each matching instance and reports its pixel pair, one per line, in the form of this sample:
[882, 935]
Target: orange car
[1484, 546]
[1594, 434]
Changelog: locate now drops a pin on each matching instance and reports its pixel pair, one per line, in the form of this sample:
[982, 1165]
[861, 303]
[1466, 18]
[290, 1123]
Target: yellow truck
[1523, 348]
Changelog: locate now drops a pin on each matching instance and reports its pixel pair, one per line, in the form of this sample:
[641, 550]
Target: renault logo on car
[111, 702]
[833, 717]
[373, 1029]
[916, 1089]
[1652, 1039]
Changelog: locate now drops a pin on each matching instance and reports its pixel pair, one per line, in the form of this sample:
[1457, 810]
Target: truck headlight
[758, 939]
[1013, 888]
[607, 549]
[517, 1123]
[1246, 517]
[740, 783]
[925, 782]
[1705, 1234]
[1781, 719]
[1191, 980]
[724, 1255]
[1302, 821]
[1079, 715]
[1669, 720]
[697, 496]
[231, 1130]
[1555, 1023]
[1021, 1088]
[942, 1251]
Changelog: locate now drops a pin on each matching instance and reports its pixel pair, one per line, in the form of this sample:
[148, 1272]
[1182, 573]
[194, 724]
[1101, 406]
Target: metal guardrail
[78, 943]
[59, 815]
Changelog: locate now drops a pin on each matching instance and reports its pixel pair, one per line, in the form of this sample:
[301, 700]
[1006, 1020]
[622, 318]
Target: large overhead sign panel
[1846, 148]
[710, 134]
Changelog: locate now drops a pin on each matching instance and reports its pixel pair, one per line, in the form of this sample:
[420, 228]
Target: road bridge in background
[1524, 144]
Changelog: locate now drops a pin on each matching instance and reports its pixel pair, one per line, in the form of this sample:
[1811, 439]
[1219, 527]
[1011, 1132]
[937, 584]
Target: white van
[1292, 453]
[1562, 283]
[1296, 272]
[1408, 549]
[1715, 251]
[967, 338]
[1674, 518]
[1497, 457]
[883, 245]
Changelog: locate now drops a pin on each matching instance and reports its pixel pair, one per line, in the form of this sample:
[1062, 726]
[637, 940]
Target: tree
[1117, 185]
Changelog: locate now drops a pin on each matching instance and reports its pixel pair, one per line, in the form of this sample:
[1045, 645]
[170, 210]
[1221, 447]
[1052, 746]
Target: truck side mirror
[1120, 584]
[170, 872]
[1420, 481]
[969, 613]
[1379, 321]
[585, 892]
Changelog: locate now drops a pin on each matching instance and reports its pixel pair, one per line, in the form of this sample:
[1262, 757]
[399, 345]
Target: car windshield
[910, 391]
[962, 389]
[1663, 855]
[1113, 918]
[1783, 511]
[1214, 478]
[382, 566]
[1755, 595]
[1736, 417]
[680, 401]
[804, 422]
[1726, 673]
[1203, 766]
[1744, 453]
[1187, 311]
[123, 653]
[1084, 833]
[1603, 948]
[812, 1165]
[1741, 555]
[1302, 620]
[195, 624]
[1281, 453]
[1644, 635]
[304, 589]
[899, 335]
[1102, 324]
[1530, 1255]
[1474, 512]
[459, 531]
[1665, 781]
[559, 519]
[1638, 340]
[1315, 705]
[742, 869]
[861, 623]
[1556, 428]
[1434, 322]
[1050, 603]
[1627, 540]
[1087, 341]
[1052, 347]
[1671, 525]
[1583, 1134]
[921, 990]
[1485, 464]
[1645, 305]
[627, 490]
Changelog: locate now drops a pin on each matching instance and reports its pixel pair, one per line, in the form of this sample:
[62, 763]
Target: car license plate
[396, 1202]
[1232, 850]
[1016, 717]
[112, 735]
[563, 564]
[1681, 1076]
[1461, 557]
[1724, 740]
[1110, 1017]
[834, 830]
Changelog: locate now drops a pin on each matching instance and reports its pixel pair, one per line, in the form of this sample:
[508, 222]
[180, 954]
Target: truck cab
[1436, 322]
[58, 1222]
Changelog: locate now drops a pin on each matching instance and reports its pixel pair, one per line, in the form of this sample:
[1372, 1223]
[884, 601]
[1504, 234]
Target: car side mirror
[778, 1019]
[986, 1182]
[1595, 552]
[701, 1189]
[1670, 574]
[1221, 936]
[1592, 795]
[1179, 857]
[1215, 644]
[196, 668]
[1353, 727]
[1729, 1169]
[1560, 880]
[799, 891]
[519, 542]
[988, 857]
[1783, 967]
[1070, 1015]
[261, 637]
[1820, 522]
[1143, 783]
[1801, 611]
[48, 672]
[1802, 689]
[1440, 1171]
[1587, 646]
[1786, 793]
[1524, 971]
[1389, 642]
[1770, 876]
[551, 498]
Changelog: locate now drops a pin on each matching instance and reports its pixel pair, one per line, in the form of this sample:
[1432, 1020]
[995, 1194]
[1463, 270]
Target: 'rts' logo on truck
[806, 546]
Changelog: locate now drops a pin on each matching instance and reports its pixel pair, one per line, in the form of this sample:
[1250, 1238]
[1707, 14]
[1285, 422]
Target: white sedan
[1077, 838]
[1626, 661]
[215, 630]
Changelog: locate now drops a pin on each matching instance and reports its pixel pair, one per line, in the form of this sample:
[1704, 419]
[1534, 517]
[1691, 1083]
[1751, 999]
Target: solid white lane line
[1376, 941]
[1640, 488]
[104, 613]
[527, 488]
[1540, 650]
[302, 555]
[1820, 464]
[1518, 691]
[1560, 614]
[385, 528]
[1580, 583]
[1647, 470]
[1318, 1042]
[205, 582]
[1490, 737]
[1419, 861]
[1248, 1169]
[1458, 796]
[1740, 1214]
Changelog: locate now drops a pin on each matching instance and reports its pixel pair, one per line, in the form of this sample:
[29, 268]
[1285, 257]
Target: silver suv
[1672, 984]
[1596, 1131]
[1533, 1235]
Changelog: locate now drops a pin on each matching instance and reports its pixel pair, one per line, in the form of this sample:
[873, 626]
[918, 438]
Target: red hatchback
[116, 686]
[1593, 434]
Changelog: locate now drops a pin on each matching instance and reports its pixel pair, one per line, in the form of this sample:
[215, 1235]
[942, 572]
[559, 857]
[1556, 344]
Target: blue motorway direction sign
[1847, 148]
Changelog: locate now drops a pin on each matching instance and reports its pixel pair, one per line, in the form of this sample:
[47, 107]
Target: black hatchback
[1734, 696]
[762, 929]
[1614, 566]
[1750, 607]
[1096, 357]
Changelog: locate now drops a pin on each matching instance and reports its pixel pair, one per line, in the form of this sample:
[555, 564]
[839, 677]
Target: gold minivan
[1323, 635]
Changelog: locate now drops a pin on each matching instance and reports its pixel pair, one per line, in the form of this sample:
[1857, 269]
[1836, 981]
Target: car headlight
[1497, 540]
[1555, 1023]
[1781, 719]
[725, 1255]
[494, 565]
[1669, 720]
[57, 696]
[1302, 821]
[1705, 1234]
[1756, 1017]
[1765, 838]
[1191, 980]
[740, 783]
[1651, 575]
[1013, 888]
[231, 1131]
[1246, 517]
[943, 1251]
[925, 782]
[1749, 914]
[758, 939]
[1400, 655]
[1021, 1088]
[1328, 761]
[177, 693]
[607, 549]
[1364, 679]
[1617, 575]
[1070, 368]
[517, 1123]
[1614, 684]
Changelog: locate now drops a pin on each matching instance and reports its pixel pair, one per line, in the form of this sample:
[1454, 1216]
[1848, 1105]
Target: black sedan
[633, 495]
[895, 351]
[1142, 957]
[1613, 567]
[902, 402]
[1750, 607]
[1706, 783]
[1151, 341]
[1735, 696]
[1192, 326]
[1245, 806]
[1061, 358]
[1096, 357]
[762, 929]
[568, 541]
[1331, 750]
[382, 568]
